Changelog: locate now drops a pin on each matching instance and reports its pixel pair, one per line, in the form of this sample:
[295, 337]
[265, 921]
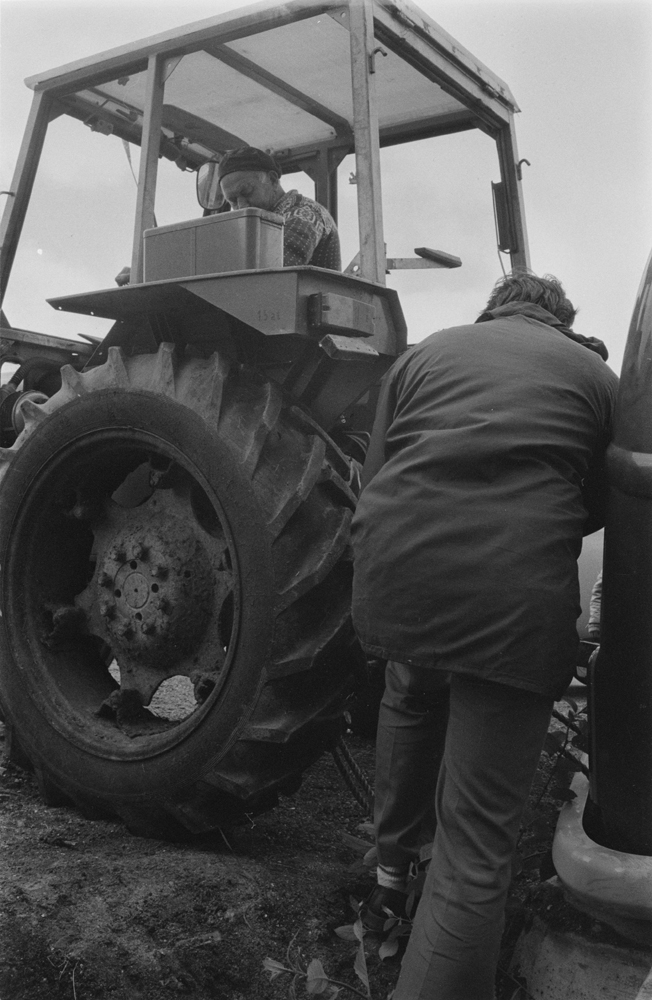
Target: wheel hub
[136, 590]
[158, 590]
[158, 587]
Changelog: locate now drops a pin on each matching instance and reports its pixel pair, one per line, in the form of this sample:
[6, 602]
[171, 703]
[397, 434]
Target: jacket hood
[534, 311]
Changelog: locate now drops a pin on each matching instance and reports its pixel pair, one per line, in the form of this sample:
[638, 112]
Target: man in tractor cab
[250, 178]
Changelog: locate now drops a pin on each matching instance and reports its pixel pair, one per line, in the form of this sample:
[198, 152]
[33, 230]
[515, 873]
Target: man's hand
[124, 277]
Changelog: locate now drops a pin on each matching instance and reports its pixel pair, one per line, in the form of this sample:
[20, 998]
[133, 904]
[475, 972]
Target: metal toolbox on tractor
[246, 239]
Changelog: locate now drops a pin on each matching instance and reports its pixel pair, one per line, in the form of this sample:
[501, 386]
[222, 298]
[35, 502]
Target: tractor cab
[312, 83]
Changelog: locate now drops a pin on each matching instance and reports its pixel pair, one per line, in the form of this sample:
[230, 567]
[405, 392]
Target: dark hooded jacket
[485, 470]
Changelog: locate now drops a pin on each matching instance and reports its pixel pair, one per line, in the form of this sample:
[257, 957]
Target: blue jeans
[493, 742]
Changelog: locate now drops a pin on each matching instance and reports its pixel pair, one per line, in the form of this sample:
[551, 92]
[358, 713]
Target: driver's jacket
[310, 235]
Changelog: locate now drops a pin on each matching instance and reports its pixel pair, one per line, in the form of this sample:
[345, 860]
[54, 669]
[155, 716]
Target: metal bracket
[347, 348]
[342, 312]
[425, 258]
[372, 58]
[519, 172]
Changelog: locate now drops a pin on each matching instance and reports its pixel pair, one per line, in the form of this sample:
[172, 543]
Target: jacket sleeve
[384, 416]
[595, 486]
[303, 230]
[594, 495]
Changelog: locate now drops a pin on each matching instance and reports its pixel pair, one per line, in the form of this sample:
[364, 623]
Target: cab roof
[279, 77]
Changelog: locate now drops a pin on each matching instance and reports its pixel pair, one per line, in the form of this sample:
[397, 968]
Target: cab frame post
[145, 217]
[373, 262]
[41, 113]
[510, 175]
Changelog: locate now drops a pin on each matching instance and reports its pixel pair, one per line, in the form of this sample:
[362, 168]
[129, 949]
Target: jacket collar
[533, 311]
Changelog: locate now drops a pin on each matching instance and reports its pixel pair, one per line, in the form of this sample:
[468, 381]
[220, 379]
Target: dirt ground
[90, 912]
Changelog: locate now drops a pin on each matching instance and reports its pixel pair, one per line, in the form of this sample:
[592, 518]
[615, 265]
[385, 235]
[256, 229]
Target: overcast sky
[581, 73]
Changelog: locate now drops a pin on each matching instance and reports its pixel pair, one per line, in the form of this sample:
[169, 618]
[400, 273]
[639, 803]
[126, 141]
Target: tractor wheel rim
[135, 640]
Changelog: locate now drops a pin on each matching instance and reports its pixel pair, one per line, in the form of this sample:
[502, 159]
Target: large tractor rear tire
[175, 642]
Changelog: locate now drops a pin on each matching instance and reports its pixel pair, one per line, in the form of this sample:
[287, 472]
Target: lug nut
[159, 571]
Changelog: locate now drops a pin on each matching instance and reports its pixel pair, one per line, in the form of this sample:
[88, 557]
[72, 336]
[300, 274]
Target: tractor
[175, 498]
